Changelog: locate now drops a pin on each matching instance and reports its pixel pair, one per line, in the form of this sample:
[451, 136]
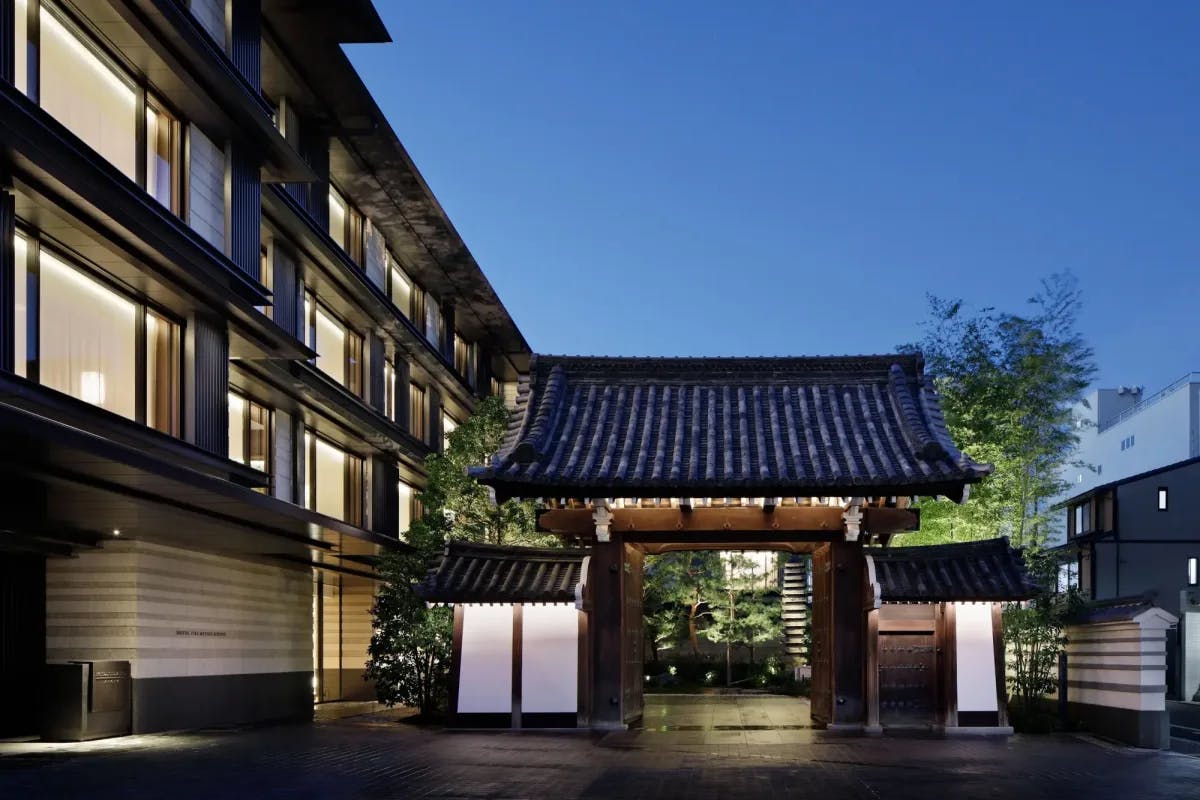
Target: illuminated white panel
[485, 669]
[549, 659]
[85, 94]
[976, 657]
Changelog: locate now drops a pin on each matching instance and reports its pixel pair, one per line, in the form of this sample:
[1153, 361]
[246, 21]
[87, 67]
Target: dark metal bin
[87, 700]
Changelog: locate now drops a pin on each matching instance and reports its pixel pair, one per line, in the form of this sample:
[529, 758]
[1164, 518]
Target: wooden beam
[799, 519]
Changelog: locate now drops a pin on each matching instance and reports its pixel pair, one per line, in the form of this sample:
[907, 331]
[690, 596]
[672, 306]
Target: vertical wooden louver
[245, 211]
[245, 45]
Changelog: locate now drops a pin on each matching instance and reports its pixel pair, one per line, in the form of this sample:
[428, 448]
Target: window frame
[352, 244]
[35, 244]
[269, 459]
[354, 503]
[418, 411]
[146, 99]
[352, 346]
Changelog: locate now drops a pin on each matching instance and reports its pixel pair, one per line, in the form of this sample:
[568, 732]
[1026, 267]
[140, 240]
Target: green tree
[409, 654]
[682, 584]
[1033, 633]
[1007, 384]
[745, 615]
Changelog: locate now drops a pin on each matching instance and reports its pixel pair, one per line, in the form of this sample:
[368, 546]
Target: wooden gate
[632, 634]
[907, 679]
[821, 649]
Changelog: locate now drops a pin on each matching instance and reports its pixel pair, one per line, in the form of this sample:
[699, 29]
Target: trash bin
[86, 700]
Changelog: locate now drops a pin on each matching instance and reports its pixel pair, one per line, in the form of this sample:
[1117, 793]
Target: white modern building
[1123, 432]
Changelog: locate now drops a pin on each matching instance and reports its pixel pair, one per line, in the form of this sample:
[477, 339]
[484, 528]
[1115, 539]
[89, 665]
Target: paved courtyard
[710, 748]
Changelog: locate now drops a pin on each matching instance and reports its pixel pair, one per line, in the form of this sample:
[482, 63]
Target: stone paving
[689, 749]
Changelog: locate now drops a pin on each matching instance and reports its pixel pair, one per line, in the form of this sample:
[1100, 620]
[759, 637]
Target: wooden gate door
[632, 634]
[907, 679]
[821, 650]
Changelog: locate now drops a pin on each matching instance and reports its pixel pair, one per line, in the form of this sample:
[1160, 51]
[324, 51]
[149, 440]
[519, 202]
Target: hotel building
[234, 320]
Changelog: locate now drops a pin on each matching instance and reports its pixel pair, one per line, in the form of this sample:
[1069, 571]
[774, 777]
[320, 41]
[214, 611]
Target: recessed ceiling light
[116, 531]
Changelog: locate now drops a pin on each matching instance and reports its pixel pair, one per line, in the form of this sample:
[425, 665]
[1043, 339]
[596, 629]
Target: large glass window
[21, 306]
[333, 482]
[464, 361]
[433, 323]
[418, 412]
[162, 373]
[449, 426]
[249, 433]
[21, 47]
[407, 497]
[389, 390]
[72, 77]
[337, 217]
[347, 228]
[339, 350]
[400, 287]
[80, 336]
[162, 148]
[86, 93]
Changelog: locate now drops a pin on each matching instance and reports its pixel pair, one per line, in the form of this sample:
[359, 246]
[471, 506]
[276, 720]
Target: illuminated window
[449, 426]
[339, 350]
[249, 433]
[408, 509]
[1162, 498]
[337, 217]
[464, 362]
[1192, 576]
[389, 390]
[418, 412]
[434, 326]
[79, 336]
[400, 288]
[345, 226]
[70, 75]
[333, 480]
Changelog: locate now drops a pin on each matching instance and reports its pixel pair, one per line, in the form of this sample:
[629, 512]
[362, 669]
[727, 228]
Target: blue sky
[792, 178]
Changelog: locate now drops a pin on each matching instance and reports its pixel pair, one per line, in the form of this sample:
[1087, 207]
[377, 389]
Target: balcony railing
[1191, 377]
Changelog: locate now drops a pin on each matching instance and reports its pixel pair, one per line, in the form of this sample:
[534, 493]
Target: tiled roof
[483, 573]
[650, 427]
[1120, 609]
[985, 570]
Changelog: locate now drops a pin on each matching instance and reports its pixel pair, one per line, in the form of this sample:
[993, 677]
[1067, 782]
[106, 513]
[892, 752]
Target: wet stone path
[689, 748]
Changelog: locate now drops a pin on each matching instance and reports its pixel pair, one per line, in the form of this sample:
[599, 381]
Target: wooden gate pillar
[849, 640]
[604, 628]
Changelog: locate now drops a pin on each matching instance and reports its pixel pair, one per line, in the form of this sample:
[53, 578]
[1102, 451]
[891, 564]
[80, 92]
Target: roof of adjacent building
[1132, 608]
[986, 570]
[649, 427]
[482, 573]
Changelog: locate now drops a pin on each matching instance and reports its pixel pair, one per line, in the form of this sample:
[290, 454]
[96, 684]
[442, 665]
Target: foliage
[410, 651]
[745, 615]
[409, 654]
[1007, 384]
[1033, 635]
[746, 619]
[678, 589]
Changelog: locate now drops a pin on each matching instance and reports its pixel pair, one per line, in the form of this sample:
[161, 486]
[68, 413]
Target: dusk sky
[793, 178]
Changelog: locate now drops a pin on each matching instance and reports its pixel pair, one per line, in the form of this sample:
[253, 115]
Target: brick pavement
[377, 757]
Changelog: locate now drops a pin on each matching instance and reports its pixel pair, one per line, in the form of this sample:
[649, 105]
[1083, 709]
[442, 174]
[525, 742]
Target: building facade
[1140, 536]
[234, 320]
[1123, 432]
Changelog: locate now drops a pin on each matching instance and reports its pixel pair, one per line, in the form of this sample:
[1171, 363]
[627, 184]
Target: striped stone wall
[210, 639]
[1116, 681]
